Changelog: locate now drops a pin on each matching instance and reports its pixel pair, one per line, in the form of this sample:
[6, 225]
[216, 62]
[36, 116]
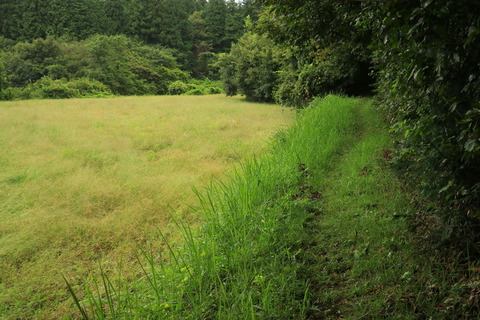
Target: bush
[215, 90]
[430, 87]
[89, 88]
[226, 63]
[9, 93]
[123, 65]
[195, 92]
[252, 68]
[3, 75]
[337, 69]
[48, 88]
[54, 89]
[179, 87]
[130, 68]
[57, 71]
[195, 87]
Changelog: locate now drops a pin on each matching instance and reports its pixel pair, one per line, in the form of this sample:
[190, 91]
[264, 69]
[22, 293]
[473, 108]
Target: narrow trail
[359, 239]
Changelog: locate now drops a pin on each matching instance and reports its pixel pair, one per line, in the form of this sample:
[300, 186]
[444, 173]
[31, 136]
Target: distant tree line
[422, 58]
[63, 39]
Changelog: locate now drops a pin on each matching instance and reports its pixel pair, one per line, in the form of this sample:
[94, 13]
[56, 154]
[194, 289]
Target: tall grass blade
[75, 298]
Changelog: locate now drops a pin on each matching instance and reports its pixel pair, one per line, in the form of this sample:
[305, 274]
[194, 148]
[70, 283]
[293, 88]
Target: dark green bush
[9, 93]
[124, 65]
[195, 92]
[427, 56]
[337, 69]
[251, 68]
[27, 62]
[3, 75]
[57, 71]
[48, 88]
[226, 64]
[293, 75]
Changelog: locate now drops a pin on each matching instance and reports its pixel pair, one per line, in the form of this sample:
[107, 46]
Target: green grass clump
[244, 262]
[195, 87]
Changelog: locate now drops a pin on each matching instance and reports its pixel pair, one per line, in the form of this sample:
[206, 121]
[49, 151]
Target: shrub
[226, 64]
[88, 88]
[54, 89]
[195, 92]
[195, 87]
[125, 66]
[9, 93]
[130, 68]
[3, 75]
[48, 88]
[252, 68]
[429, 86]
[178, 87]
[57, 71]
[214, 90]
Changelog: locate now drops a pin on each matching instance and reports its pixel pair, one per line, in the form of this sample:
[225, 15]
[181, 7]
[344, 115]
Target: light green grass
[88, 181]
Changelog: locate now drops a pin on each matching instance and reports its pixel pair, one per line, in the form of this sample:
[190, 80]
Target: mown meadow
[85, 183]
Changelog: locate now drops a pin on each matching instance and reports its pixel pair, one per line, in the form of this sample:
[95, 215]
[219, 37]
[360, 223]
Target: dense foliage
[130, 46]
[251, 68]
[266, 65]
[425, 54]
[100, 65]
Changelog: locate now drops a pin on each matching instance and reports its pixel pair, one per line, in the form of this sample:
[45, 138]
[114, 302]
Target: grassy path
[365, 261]
[361, 260]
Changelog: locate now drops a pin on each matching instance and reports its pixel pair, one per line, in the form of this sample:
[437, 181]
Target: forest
[64, 49]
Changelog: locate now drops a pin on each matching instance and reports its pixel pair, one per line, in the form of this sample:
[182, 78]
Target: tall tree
[163, 22]
[215, 12]
[234, 22]
[30, 19]
[117, 16]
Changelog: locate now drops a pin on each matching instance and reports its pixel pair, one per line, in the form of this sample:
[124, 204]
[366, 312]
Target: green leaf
[470, 145]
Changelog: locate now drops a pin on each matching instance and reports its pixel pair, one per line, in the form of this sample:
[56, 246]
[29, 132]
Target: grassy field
[87, 182]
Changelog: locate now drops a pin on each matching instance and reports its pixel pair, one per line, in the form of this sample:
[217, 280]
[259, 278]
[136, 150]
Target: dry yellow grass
[88, 181]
